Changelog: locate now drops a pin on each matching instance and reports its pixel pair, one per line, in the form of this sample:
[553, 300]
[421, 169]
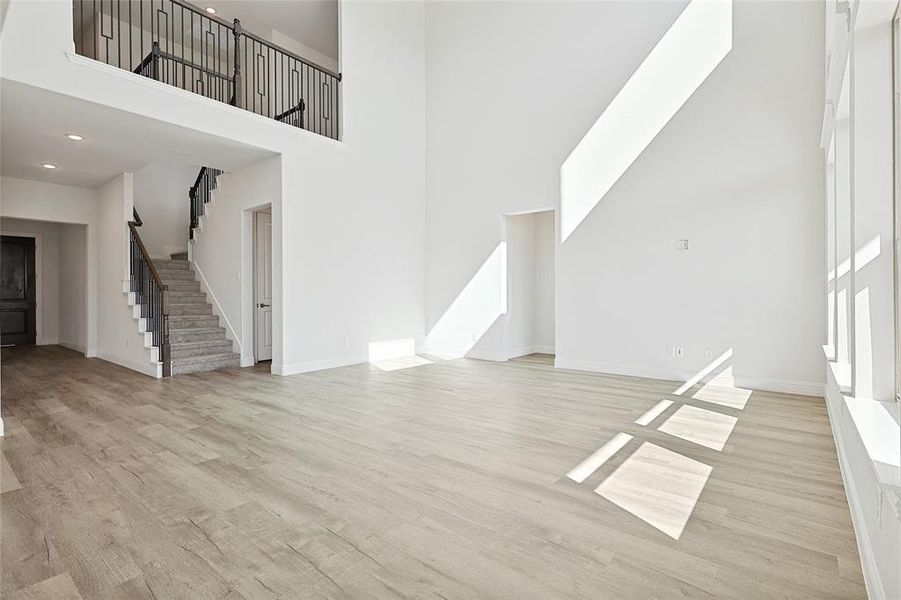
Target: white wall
[161, 198]
[744, 186]
[47, 254]
[351, 221]
[222, 251]
[118, 339]
[520, 232]
[39, 201]
[73, 286]
[297, 47]
[543, 324]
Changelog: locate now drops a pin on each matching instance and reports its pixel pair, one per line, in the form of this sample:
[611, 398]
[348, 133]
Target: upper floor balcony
[182, 45]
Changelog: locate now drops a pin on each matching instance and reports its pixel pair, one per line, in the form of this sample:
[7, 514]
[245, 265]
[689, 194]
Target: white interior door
[262, 332]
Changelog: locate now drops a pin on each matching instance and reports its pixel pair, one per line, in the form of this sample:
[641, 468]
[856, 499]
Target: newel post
[236, 81]
[165, 346]
[155, 61]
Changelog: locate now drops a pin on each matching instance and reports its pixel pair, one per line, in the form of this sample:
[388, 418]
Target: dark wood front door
[17, 291]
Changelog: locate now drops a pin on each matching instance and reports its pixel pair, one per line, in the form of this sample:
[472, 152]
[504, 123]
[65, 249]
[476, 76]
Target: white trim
[783, 386]
[90, 353]
[486, 355]
[73, 346]
[317, 365]
[870, 568]
[48, 342]
[255, 279]
[521, 351]
[38, 281]
[626, 370]
[152, 369]
[1, 427]
[217, 310]
[539, 349]
[868, 564]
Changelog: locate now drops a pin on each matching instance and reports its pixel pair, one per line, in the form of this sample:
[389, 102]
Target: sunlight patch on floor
[404, 362]
[594, 462]
[658, 486]
[723, 391]
[704, 427]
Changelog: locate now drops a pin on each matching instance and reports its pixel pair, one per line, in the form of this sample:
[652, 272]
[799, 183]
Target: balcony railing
[179, 44]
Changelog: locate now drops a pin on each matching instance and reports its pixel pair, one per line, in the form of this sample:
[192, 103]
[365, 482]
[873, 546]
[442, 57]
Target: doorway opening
[18, 291]
[531, 244]
[262, 284]
[44, 294]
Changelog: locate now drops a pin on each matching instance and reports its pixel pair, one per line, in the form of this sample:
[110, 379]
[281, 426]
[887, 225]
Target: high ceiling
[34, 124]
[311, 22]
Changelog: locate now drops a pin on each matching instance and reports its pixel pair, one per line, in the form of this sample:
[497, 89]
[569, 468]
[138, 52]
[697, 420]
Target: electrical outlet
[708, 353]
[680, 352]
[346, 342]
[683, 244]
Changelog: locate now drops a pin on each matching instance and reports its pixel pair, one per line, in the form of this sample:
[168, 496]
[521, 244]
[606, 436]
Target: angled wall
[737, 171]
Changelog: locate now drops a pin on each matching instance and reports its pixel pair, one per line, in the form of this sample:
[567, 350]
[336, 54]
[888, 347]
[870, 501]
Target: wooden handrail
[291, 54]
[143, 63]
[301, 106]
[193, 190]
[193, 65]
[231, 26]
[133, 225]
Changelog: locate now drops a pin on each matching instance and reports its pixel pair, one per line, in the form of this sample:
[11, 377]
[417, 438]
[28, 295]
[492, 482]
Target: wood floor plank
[443, 480]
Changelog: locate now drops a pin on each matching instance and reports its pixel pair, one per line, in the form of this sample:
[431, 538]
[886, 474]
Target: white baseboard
[48, 342]
[783, 386]
[317, 365]
[523, 351]
[150, 369]
[868, 565]
[527, 350]
[627, 370]
[846, 437]
[1, 426]
[90, 353]
[483, 355]
[247, 360]
[73, 346]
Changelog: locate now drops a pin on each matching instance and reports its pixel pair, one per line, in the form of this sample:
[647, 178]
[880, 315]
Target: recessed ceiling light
[211, 10]
[48, 166]
[74, 137]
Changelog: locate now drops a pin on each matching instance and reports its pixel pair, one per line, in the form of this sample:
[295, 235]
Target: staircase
[196, 340]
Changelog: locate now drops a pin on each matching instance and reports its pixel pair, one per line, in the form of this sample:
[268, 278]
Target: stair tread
[174, 330]
[200, 343]
[202, 358]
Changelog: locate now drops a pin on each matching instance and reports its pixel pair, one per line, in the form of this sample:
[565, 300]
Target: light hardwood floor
[447, 480]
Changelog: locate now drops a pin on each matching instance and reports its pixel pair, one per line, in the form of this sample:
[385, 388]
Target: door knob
[262, 305]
